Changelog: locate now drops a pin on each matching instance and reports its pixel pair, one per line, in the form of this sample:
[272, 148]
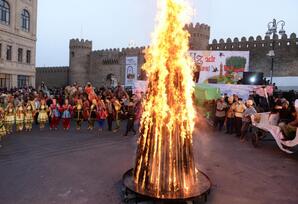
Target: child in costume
[2, 126]
[78, 113]
[43, 114]
[66, 114]
[102, 114]
[20, 117]
[29, 115]
[9, 118]
[93, 115]
[55, 115]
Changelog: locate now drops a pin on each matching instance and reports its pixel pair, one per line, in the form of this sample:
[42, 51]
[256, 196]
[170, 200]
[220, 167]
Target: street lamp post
[272, 30]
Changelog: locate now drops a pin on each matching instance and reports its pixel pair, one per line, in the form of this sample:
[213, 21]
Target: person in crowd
[43, 88]
[43, 114]
[230, 116]
[9, 118]
[290, 130]
[86, 109]
[29, 115]
[93, 115]
[246, 118]
[110, 111]
[238, 108]
[119, 92]
[78, 113]
[37, 106]
[117, 111]
[226, 97]
[220, 113]
[20, 117]
[90, 92]
[102, 114]
[2, 126]
[66, 110]
[285, 114]
[54, 115]
[130, 114]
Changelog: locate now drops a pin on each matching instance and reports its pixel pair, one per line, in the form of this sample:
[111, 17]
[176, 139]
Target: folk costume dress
[86, 109]
[117, 107]
[93, 116]
[20, 118]
[9, 118]
[2, 126]
[43, 115]
[78, 115]
[55, 116]
[66, 116]
[29, 115]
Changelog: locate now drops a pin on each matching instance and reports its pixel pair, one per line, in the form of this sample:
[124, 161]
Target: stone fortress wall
[53, 76]
[286, 53]
[95, 66]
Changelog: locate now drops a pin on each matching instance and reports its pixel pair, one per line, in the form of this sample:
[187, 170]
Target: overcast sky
[115, 23]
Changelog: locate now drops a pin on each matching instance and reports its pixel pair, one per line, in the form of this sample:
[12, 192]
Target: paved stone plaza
[85, 167]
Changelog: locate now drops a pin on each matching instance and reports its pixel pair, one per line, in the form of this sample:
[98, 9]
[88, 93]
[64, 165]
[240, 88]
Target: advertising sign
[131, 70]
[220, 67]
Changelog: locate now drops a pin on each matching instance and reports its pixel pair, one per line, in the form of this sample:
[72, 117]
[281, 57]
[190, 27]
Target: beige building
[18, 20]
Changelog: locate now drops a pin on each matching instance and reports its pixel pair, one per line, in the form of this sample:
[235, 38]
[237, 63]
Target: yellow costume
[43, 115]
[29, 112]
[9, 118]
[2, 127]
[20, 118]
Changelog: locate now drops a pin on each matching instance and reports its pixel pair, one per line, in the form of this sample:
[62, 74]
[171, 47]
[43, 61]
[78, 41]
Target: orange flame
[164, 160]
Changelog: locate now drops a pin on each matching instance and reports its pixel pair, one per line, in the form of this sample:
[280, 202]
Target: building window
[4, 12]
[25, 20]
[5, 80]
[23, 81]
[28, 57]
[8, 52]
[20, 55]
[0, 51]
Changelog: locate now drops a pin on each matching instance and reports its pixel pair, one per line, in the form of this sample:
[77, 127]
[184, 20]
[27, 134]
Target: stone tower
[79, 61]
[199, 36]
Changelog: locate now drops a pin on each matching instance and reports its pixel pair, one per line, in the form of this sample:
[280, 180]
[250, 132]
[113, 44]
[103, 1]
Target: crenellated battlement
[83, 44]
[122, 51]
[52, 69]
[197, 26]
[251, 42]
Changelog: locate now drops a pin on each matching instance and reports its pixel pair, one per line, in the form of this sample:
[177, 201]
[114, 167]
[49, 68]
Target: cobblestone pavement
[86, 167]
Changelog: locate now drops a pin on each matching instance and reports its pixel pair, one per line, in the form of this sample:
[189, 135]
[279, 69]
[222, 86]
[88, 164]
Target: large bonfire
[165, 162]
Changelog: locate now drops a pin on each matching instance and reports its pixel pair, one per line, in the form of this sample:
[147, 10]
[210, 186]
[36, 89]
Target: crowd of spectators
[234, 115]
[21, 108]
